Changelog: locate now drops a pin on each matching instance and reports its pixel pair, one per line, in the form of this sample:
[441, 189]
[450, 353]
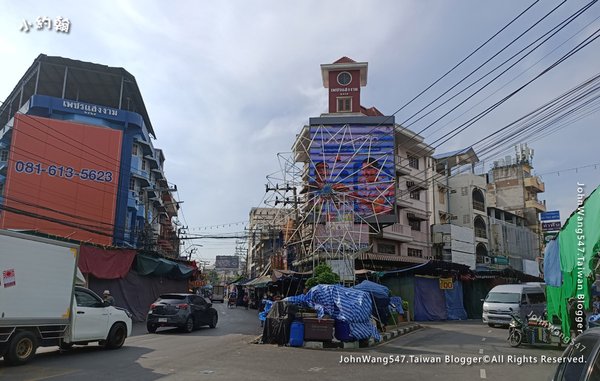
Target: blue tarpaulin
[552, 273]
[430, 301]
[455, 308]
[396, 304]
[341, 303]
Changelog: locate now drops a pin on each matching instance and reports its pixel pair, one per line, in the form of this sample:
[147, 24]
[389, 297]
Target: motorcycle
[536, 331]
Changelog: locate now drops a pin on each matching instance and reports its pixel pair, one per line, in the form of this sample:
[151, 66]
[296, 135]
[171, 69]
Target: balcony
[478, 205]
[534, 184]
[398, 232]
[402, 168]
[535, 204]
[403, 203]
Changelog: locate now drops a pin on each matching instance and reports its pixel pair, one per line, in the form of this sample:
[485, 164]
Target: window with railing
[131, 183]
[386, 248]
[413, 162]
[415, 195]
[478, 205]
[4, 155]
[414, 225]
[414, 252]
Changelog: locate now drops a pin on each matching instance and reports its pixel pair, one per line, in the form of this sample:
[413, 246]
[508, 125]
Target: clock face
[344, 78]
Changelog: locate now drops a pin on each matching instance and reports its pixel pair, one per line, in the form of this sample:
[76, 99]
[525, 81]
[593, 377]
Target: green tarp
[579, 241]
[145, 265]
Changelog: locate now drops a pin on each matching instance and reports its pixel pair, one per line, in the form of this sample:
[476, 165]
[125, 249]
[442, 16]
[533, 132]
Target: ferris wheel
[343, 188]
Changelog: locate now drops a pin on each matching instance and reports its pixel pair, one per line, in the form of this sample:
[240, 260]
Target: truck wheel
[116, 336]
[65, 346]
[21, 348]
[151, 328]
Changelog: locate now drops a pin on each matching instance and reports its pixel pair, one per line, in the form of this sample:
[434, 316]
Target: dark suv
[186, 311]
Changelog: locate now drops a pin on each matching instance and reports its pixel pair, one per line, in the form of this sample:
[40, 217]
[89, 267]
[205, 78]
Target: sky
[229, 84]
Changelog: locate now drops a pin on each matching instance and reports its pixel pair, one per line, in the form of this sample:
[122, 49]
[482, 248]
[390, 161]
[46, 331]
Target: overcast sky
[228, 84]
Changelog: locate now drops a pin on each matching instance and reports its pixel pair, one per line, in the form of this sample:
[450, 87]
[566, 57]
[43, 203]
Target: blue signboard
[551, 215]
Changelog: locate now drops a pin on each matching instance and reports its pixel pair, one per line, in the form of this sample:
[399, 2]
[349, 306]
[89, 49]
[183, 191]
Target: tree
[323, 275]
[213, 277]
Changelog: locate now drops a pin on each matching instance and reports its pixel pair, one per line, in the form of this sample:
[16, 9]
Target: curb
[385, 336]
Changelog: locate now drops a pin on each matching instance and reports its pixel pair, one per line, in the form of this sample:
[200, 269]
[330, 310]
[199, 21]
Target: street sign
[549, 237]
[551, 226]
[551, 215]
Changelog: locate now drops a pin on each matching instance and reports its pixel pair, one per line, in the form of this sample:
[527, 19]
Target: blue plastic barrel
[297, 334]
[342, 330]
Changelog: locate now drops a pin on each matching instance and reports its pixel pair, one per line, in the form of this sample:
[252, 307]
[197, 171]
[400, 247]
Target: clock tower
[344, 78]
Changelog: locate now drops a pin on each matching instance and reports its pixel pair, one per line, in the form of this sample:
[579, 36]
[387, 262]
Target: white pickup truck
[41, 303]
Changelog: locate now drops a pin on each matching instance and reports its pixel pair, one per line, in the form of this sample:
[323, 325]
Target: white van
[522, 298]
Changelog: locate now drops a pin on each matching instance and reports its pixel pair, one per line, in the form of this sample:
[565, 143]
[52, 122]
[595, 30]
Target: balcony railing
[480, 233]
[536, 205]
[478, 205]
[534, 183]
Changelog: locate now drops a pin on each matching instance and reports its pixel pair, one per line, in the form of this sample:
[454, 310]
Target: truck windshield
[503, 297]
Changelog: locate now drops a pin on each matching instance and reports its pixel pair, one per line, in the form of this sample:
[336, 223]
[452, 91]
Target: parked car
[186, 311]
[522, 298]
[587, 345]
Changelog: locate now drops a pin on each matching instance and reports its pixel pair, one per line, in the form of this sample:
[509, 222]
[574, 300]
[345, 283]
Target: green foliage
[213, 277]
[323, 275]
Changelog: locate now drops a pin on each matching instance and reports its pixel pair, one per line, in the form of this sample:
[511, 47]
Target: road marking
[483, 339]
[481, 351]
[315, 369]
[490, 331]
[482, 373]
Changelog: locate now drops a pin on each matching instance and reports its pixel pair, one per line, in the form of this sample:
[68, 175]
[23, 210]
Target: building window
[143, 165]
[413, 162]
[442, 197]
[134, 150]
[344, 104]
[4, 155]
[414, 225]
[415, 253]
[415, 195]
[1, 188]
[385, 248]
[131, 183]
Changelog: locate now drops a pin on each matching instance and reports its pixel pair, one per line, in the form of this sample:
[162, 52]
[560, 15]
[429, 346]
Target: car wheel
[21, 348]
[213, 321]
[189, 325]
[491, 325]
[151, 328]
[65, 346]
[116, 336]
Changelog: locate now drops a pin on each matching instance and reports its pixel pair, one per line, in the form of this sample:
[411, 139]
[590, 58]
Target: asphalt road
[225, 353]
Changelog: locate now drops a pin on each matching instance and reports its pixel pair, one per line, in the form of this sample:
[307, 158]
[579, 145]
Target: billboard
[62, 179]
[227, 262]
[352, 173]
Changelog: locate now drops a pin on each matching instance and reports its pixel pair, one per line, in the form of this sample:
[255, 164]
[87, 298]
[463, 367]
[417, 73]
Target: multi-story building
[77, 158]
[377, 219]
[513, 188]
[490, 236]
[265, 240]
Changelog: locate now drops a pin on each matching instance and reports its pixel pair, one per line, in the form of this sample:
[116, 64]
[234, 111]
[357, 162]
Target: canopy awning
[261, 281]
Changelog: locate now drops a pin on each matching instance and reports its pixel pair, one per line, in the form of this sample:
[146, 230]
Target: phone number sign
[34, 168]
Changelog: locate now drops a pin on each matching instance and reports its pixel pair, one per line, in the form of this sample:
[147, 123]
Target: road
[225, 353]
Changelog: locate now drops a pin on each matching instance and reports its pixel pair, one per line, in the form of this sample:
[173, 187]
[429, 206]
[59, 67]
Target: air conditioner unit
[438, 238]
